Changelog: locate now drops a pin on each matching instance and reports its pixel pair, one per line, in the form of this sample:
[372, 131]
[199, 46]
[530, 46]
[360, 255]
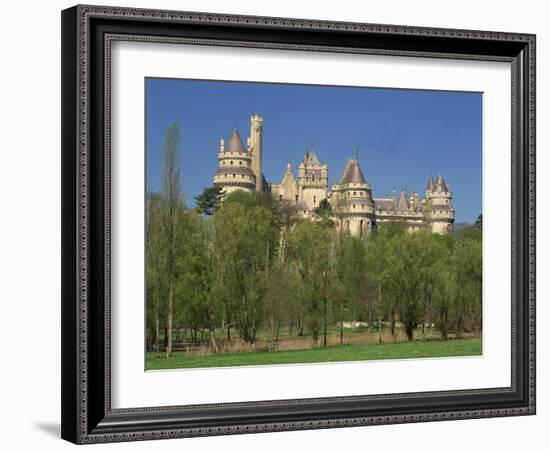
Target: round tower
[352, 201]
[234, 166]
[439, 206]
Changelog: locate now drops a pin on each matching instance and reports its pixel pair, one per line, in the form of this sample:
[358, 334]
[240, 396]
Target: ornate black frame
[87, 31]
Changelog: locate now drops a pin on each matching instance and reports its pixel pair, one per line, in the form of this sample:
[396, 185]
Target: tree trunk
[157, 328]
[409, 331]
[341, 324]
[170, 324]
[325, 323]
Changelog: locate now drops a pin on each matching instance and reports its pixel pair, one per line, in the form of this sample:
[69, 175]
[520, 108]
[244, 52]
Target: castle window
[314, 200]
[231, 162]
[234, 176]
[312, 177]
[353, 206]
[296, 198]
[240, 163]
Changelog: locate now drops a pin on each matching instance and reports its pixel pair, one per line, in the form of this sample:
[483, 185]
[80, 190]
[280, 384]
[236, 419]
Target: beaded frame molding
[87, 34]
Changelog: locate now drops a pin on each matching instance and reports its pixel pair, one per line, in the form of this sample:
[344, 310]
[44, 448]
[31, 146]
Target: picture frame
[87, 413]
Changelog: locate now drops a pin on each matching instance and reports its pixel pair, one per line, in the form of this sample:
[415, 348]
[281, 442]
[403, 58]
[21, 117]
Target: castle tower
[288, 189]
[352, 201]
[234, 166]
[256, 148]
[439, 207]
[312, 181]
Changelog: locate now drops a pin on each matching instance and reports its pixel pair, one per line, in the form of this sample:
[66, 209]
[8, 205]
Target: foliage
[250, 264]
[208, 200]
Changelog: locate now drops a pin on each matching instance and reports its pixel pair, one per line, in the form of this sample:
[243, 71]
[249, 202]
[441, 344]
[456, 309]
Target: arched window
[314, 200]
[361, 229]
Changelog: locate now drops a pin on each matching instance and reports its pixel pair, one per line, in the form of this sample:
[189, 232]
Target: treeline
[248, 265]
[254, 266]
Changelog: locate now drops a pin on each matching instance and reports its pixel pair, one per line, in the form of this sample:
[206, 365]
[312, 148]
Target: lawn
[400, 350]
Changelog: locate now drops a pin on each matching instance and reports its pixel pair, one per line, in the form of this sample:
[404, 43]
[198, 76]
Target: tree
[309, 250]
[409, 264]
[208, 201]
[246, 241]
[198, 287]
[377, 260]
[467, 262]
[324, 213]
[156, 264]
[442, 290]
[172, 198]
[479, 221]
[349, 276]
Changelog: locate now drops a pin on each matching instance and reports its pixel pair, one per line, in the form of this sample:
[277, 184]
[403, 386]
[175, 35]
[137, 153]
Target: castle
[351, 199]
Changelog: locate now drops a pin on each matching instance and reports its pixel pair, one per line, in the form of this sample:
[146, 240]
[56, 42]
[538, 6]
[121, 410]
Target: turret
[352, 201]
[256, 148]
[312, 180]
[234, 166]
[439, 206]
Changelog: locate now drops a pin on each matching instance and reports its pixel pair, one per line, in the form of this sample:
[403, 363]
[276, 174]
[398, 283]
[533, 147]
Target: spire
[310, 158]
[402, 206]
[441, 183]
[353, 173]
[430, 186]
[235, 143]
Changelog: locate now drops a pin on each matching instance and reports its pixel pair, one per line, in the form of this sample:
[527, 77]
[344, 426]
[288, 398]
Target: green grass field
[400, 350]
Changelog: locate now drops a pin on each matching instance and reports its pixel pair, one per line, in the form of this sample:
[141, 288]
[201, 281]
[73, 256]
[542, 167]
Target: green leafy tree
[246, 241]
[479, 222]
[410, 261]
[208, 200]
[155, 268]
[309, 250]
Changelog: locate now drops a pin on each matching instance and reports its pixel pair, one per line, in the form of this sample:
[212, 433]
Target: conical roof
[430, 186]
[441, 182]
[402, 206]
[353, 174]
[235, 143]
[310, 158]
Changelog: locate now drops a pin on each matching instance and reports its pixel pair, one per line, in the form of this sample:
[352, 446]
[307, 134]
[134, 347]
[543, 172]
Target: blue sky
[404, 135]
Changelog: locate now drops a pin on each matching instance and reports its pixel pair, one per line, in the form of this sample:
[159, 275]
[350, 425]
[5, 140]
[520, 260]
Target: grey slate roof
[430, 186]
[310, 158]
[441, 182]
[237, 170]
[353, 173]
[384, 204]
[235, 143]
[402, 205]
